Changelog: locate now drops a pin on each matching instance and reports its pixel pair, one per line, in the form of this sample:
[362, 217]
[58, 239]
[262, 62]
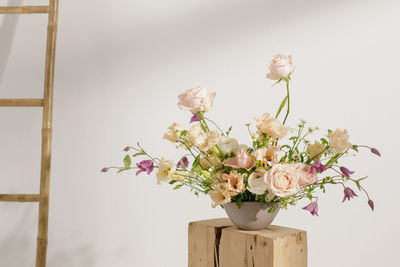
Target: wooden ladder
[47, 104]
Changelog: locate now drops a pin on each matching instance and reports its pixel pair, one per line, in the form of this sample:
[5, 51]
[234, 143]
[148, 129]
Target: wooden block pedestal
[218, 243]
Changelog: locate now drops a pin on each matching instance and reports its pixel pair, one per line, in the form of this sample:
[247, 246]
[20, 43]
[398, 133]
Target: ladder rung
[21, 102]
[24, 9]
[20, 198]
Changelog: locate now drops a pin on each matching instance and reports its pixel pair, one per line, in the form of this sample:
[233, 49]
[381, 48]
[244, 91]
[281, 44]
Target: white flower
[282, 180]
[256, 183]
[212, 138]
[220, 196]
[196, 100]
[228, 146]
[173, 132]
[281, 66]
[315, 150]
[270, 126]
[196, 136]
[166, 168]
[339, 140]
[266, 155]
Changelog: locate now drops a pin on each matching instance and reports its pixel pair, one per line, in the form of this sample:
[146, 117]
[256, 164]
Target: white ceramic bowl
[251, 215]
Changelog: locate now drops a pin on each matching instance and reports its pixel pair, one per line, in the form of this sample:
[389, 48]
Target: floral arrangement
[265, 171]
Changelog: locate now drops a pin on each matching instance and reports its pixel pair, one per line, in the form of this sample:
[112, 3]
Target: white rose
[281, 66]
[166, 169]
[282, 180]
[173, 133]
[256, 183]
[339, 140]
[196, 100]
[228, 146]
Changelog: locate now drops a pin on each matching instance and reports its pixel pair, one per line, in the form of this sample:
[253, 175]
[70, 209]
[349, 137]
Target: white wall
[120, 65]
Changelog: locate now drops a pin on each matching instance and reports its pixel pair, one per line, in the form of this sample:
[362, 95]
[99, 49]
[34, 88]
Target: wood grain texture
[47, 133]
[217, 243]
[21, 102]
[24, 9]
[19, 198]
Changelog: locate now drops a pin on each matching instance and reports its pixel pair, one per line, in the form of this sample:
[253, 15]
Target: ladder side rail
[42, 239]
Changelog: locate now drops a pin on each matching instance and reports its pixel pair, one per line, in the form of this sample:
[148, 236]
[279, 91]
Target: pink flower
[346, 172]
[145, 166]
[306, 176]
[242, 160]
[185, 162]
[318, 167]
[371, 204]
[196, 100]
[348, 193]
[312, 208]
[282, 180]
[194, 118]
[375, 151]
[281, 66]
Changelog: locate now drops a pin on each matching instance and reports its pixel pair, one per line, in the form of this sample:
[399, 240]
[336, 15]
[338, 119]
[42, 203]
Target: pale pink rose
[306, 176]
[339, 140]
[196, 100]
[242, 160]
[281, 66]
[270, 126]
[235, 184]
[282, 180]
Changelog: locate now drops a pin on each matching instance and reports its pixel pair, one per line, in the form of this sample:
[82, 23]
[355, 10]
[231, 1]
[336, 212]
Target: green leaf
[138, 154]
[172, 181]
[127, 161]
[358, 185]
[177, 187]
[281, 106]
[355, 148]
[309, 195]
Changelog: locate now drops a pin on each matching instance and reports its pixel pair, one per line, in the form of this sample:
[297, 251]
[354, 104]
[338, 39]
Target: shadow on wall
[7, 31]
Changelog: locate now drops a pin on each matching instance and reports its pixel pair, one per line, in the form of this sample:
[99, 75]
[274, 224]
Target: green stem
[288, 100]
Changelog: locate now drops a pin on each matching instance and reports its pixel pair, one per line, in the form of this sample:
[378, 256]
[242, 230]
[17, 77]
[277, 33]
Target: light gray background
[120, 66]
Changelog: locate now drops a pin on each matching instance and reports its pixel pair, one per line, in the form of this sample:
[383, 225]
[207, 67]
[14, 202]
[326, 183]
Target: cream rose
[270, 126]
[256, 183]
[280, 67]
[228, 146]
[282, 180]
[314, 150]
[173, 133]
[306, 177]
[166, 169]
[196, 100]
[339, 140]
